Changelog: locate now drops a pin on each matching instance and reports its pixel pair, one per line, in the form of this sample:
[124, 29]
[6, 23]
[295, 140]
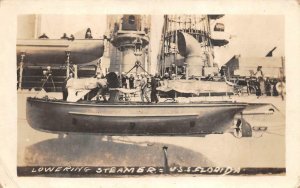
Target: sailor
[172, 69]
[268, 86]
[64, 36]
[72, 37]
[137, 82]
[153, 90]
[124, 80]
[158, 79]
[259, 72]
[144, 88]
[64, 87]
[166, 76]
[88, 34]
[257, 88]
[275, 92]
[102, 88]
[222, 71]
[173, 77]
[131, 81]
[262, 85]
[248, 85]
[43, 36]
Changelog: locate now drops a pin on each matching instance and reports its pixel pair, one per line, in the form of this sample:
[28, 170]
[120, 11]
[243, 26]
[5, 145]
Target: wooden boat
[132, 118]
[53, 51]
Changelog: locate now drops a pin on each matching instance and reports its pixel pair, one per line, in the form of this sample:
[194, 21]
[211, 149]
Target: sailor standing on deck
[153, 90]
[144, 88]
[64, 87]
[124, 80]
[137, 83]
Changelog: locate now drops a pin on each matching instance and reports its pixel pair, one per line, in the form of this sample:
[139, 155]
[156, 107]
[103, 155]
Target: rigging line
[277, 127]
[275, 133]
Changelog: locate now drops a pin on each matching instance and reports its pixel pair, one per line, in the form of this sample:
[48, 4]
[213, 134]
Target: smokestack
[190, 48]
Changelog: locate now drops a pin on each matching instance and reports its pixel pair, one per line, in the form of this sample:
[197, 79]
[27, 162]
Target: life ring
[280, 87]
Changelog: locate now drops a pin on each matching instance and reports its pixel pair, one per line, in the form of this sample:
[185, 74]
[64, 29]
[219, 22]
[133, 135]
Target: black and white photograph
[149, 94]
[121, 95]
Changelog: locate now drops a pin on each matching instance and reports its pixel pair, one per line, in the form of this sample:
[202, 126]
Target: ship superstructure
[129, 43]
[187, 44]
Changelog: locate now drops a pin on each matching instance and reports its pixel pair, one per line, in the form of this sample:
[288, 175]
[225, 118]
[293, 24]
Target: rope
[274, 133]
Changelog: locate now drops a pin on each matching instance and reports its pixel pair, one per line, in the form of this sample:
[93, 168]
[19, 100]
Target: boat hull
[132, 119]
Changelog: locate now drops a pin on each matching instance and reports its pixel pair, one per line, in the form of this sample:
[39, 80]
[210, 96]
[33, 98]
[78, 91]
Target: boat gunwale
[140, 104]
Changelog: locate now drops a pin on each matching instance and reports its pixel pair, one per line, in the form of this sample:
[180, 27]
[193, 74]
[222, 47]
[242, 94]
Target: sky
[55, 25]
[251, 35]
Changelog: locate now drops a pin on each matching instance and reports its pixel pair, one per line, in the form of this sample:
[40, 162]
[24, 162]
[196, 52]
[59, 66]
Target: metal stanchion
[48, 76]
[166, 165]
[68, 54]
[75, 71]
[21, 70]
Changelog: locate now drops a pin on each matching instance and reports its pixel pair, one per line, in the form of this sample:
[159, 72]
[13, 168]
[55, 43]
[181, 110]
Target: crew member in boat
[166, 76]
[99, 88]
[131, 81]
[64, 87]
[173, 77]
[102, 88]
[124, 80]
